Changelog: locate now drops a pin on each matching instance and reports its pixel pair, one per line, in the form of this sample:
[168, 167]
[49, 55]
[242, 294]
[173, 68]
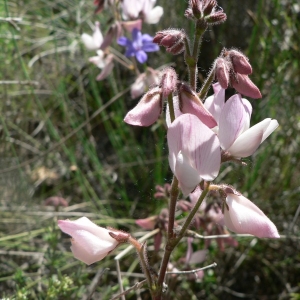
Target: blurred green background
[59, 137]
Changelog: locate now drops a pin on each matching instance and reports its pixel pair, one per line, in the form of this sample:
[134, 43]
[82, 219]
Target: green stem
[191, 59]
[171, 107]
[191, 215]
[173, 242]
[172, 206]
[206, 85]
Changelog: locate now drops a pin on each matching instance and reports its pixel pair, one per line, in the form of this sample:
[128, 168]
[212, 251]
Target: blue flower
[138, 46]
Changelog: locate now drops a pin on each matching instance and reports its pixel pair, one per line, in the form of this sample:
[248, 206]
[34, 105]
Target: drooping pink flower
[90, 243]
[93, 42]
[243, 216]
[104, 62]
[194, 152]
[143, 82]
[233, 117]
[147, 111]
[147, 223]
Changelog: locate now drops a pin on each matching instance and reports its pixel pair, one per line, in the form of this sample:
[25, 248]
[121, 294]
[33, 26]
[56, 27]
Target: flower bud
[244, 85]
[56, 201]
[208, 6]
[216, 18]
[168, 81]
[222, 72]
[172, 39]
[240, 62]
[196, 7]
[189, 13]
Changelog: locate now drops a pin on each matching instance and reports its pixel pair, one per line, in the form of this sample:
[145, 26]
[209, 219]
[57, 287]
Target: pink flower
[106, 63]
[148, 110]
[90, 243]
[93, 42]
[194, 152]
[243, 216]
[233, 118]
[143, 82]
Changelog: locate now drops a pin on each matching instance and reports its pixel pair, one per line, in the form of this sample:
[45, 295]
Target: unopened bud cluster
[207, 11]
[232, 69]
[172, 39]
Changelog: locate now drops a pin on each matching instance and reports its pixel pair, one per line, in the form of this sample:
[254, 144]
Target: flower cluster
[202, 134]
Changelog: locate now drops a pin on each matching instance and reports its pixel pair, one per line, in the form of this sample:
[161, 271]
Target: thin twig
[120, 280]
[93, 285]
[21, 82]
[129, 248]
[193, 271]
[133, 288]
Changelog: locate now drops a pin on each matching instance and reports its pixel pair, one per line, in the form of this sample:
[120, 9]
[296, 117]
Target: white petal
[89, 42]
[247, 143]
[272, 126]
[187, 176]
[154, 15]
[97, 35]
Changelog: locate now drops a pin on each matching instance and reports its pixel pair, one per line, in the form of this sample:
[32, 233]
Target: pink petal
[248, 111]
[90, 243]
[198, 257]
[84, 255]
[214, 104]
[192, 155]
[191, 104]
[232, 121]
[244, 216]
[109, 65]
[247, 143]
[147, 111]
[148, 223]
[245, 86]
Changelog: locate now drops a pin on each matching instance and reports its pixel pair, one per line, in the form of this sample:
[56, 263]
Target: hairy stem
[206, 85]
[142, 253]
[191, 58]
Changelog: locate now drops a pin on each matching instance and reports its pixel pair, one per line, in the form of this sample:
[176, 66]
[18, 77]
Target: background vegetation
[62, 134]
